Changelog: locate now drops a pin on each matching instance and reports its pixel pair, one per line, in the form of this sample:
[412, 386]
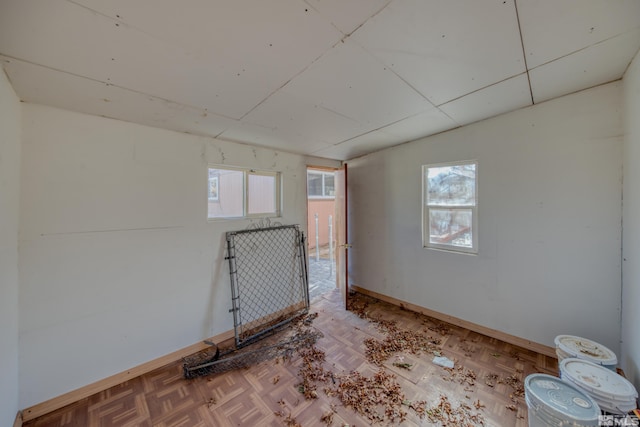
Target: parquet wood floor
[253, 396]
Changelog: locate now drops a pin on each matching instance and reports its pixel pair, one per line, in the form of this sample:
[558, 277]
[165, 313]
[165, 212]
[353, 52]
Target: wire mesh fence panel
[208, 362]
[269, 283]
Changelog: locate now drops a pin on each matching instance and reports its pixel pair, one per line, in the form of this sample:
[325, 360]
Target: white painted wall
[10, 113]
[118, 262]
[631, 221]
[549, 221]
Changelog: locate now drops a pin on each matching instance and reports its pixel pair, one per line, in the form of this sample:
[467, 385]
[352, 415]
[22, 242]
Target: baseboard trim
[18, 421]
[493, 333]
[63, 400]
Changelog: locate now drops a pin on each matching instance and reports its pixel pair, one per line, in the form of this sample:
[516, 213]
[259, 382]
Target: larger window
[450, 201]
[239, 193]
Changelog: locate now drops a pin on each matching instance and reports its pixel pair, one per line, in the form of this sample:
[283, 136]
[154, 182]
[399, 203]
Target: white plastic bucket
[569, 346]
[613, 393]
[554, 402]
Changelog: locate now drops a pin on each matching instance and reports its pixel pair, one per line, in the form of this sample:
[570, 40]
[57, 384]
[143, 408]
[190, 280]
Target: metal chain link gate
[269, 279]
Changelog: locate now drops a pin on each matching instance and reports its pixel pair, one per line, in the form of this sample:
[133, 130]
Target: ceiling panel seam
[288, 81]
[168, 101]
[119, 21]
[387, 68]
[483, 88]
[585, 48]
[524, 53]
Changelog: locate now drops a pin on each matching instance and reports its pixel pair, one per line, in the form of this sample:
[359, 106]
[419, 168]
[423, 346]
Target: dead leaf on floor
[406, 366]
[285, 414]
[448, 415]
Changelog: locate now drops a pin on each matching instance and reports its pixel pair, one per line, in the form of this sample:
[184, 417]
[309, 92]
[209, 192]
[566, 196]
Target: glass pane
[451, 227]
[452, 185]
[262, 194]
[314, 184]
[226, 193]
[329, 185]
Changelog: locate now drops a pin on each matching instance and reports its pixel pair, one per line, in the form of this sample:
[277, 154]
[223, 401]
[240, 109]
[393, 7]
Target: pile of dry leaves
[461, 416]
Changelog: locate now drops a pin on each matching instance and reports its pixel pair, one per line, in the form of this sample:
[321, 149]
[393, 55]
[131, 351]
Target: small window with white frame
[450, 203]
[242, 193]
[320, 184]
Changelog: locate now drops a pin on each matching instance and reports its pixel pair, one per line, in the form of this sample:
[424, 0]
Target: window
[320, 185]
[450, 200]
[240, 193]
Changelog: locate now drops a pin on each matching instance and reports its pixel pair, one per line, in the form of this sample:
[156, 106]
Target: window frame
[426, 209]
[246, 172]
[322, 173]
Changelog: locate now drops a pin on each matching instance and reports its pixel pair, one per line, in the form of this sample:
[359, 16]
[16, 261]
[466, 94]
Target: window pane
[226, 197]
[329, 186]
[452, 185]
[451, 227]
[314, 184]
[262, 194]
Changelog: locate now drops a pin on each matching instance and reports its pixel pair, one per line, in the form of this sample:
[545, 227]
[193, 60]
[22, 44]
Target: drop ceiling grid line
[524, 53]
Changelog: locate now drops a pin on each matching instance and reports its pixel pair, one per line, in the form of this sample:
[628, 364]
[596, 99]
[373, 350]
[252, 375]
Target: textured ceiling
[331, 78]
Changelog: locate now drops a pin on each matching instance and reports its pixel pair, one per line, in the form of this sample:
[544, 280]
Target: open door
[342, 242]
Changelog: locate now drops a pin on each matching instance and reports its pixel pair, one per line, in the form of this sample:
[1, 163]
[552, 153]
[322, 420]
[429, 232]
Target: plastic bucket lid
[598, 380]
[586, 349]
[554, 400]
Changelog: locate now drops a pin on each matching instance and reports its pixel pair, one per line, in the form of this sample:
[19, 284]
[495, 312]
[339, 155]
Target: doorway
[321, 231]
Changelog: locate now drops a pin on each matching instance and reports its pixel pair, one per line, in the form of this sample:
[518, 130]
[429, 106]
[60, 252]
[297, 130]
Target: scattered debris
[448, 415]
[327, 418]
[461, 375]
[443, 361]
[283, 341]
[399, 340]
[406, 366]
[441, 328]
[285, 414]
[467, 349]
[379, 398]
[312, 371]
[420, 407]
[491, 379]
[516, 383]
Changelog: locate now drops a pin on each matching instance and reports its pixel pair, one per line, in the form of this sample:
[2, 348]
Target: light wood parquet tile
[252, 396]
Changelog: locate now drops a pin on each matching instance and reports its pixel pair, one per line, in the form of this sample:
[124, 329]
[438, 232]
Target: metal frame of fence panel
[269, 279]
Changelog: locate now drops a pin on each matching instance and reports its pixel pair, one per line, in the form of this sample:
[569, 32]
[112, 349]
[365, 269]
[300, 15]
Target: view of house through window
[320, 184]
[237, 193]
[450, 206]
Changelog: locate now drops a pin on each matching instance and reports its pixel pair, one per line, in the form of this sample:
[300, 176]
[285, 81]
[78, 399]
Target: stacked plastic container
[554, 402]
[568, 346]
[613, 393]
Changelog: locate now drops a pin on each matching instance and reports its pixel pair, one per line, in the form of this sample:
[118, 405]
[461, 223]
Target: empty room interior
[487, 189]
